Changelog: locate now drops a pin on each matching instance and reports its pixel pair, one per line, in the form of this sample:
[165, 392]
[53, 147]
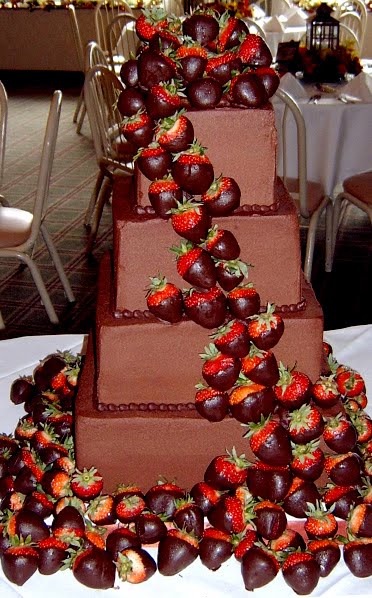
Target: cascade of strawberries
[312, 443]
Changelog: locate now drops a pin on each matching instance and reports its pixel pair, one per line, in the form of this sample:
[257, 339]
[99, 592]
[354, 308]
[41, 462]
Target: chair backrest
[174, 7]
[254, 27]
[79, 46]
[46, 164]
[101, 90]
[358, 7]
[94, 55]
[122, 39]
[104, 12]
[291, 107]
[3, 127]
[349, 39]
[352, 20]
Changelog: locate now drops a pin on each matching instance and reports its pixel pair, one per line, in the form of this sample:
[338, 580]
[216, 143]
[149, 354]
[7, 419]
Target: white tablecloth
[352, 346]
[338, 140]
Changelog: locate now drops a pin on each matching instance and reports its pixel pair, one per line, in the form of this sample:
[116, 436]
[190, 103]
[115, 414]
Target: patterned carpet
[343, 294]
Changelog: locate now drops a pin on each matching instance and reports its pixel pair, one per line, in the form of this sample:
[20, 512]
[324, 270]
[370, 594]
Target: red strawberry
[290, 539]
[270, 442]
[270, 519]
[101, 510]
[206, 308]
[341, 499]
[244, 542]
[163, 100]
[193, 171]
[305, 424]
[86, 484]
[215, 548]
[205, 496]
[254, 51]
[244, 301]
[231, 273]
[350, 383]
[301, 572]
[164, 299]
[308, 460]
[129, 507]
[135, 565]
[363, 425]
[293, 387]
[250, 401]
[325, 392]
[228, 515]
[56, 483]
[176, 551]
[230, 29]
[259, 566]
[227, 472]
[94, 568]
[19, 563]
[343, 469]
[320, 522]
[195, 265]
[223, 66]
[211, 403]
[163, 195]
[153, 161]
[232, 339]
[360, 521]
[150, 21]
[326, 553]
[175, 133]
[220, 371]
[52, 553]
[266, 329]
[339, 434]
[260, 366]
[190, 220]
[222, 197]
[358, 557]
[138, 129]
[221, 244]
[271, 482]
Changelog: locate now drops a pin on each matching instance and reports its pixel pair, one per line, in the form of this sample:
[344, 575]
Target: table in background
[352, 346]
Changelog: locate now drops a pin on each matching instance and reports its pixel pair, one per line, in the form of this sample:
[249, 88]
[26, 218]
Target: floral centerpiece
[327, 64]
[236, 8]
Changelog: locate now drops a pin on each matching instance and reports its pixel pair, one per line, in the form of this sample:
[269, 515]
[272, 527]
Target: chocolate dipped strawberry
[153, 161]
[269, 78]
[163, 99]
[215, 548]
[227, 472]
[293, 387]
[149, 527]
[343, 469]
[175, 133]
[358, 556]
[360, 521]
[204, 93]
[130, 101]
[160, 498]
[19, 563]
[150, 21]
[253, 51]
[129, 73]
[176, 551]
[22, 390]
[222, 197]
[154, 67]
[290, 539]
[247, 89]
[135, 565]
[320, 522]
[205, 496]
[189, 517]
[221, 244]
[231, 273]
[327, 554]
[195, 265]
[210, 403]
[164, 194]
[232, 339]
[52, 554]
[190, 220]
[259, 566]
[164, 300]
[228, 515]
[101, 510]
[93, 568]
[270, 519]
[269, 441]
[220, 371]
[193, 170]
[206, 308]
[121, 538]
[341, 499]
[271, 482]
[244, 301]
[324, 392]
[305, 424]
[231, 30]
[308, 460]
[260, 366]
[201, 26]
[266, 329]
[192, 59]
[138, 129]
[300, 494]
[223, 66]
[249, 401]
[301, 572]
[339, 434]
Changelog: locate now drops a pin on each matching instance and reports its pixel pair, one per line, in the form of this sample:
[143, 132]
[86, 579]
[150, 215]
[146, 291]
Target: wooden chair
[122, 40]
[113, 153]
[105, 11]
[309, 196]
[357, 190]
[20, 229]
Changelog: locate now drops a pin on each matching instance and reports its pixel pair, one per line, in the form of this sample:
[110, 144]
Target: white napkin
[291, 85]
[273, 25]
[359, 87]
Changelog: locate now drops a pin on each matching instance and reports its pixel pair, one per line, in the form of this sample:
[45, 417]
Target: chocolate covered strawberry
[164, 194]
[320, 522]
[164, 299]
[191, 58]
[206, 308]
[254, 51]
[228, 515]
[231, 28]
[19, 562]
[227, 472]
[210, 403]
[325, 392]
[243, 542]
[247, 89]
[52, 554]
[360, 521]
[176, 551]
[290, 539]
[308, 460]
[293, 387]
[150, 21]
[266, 329]
[305, 424]
[269, 78]
[222, 197]
[163, 100]
[135, 565]
[301, 572]
[190, 220]
[149, 527]
[205, 496]
[260, 366]
[101, 510]
[339, 434]
[121, 538]
[269, 441]
[271, 482]
[300, 494]
[189, 517]
[129, 73]
[160, 498]
[93, 568]
[223, 66]
[259, 566]
[221, 244]
[232, 339]
[153, 161]
[269, 520]
[193, 170]
[175, 133]
[215, 548]
[358, 556]
[154, 67]
[201, 26]
[220, 371]
[138, 129]
[343, 469]
[204, 93]
[130, 101]
[350, 383]
[249, 401]
[341, 499]
[195, 265]
[231, 273]
[327, 554]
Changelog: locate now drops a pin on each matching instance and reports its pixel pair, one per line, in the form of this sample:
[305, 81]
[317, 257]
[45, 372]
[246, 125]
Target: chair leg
[338, 210]
[329, 238]
[40, 287]
[93, 199]
[78, 107]
[96, 218]
[310, 244]
[81, 119]
[58, 264]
